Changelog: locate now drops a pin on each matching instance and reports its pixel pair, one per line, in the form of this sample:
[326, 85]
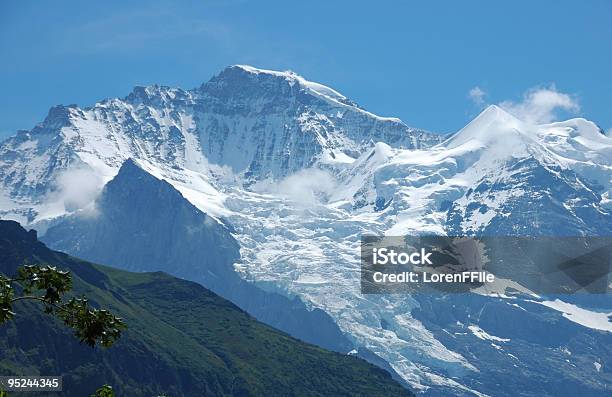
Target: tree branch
[41, 299]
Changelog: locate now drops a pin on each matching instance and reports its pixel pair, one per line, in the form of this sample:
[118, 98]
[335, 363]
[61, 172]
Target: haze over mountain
[297, 172]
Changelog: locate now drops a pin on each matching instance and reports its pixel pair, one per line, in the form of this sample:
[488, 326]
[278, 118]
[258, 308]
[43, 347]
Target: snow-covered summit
[293, 78]
[492, 125]
[577, 139]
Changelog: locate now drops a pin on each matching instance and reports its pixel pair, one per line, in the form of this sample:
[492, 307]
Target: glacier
[300, 172]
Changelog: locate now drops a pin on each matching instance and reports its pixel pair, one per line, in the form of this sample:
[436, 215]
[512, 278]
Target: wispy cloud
[542, 105]
[140, 28]
[477, 95]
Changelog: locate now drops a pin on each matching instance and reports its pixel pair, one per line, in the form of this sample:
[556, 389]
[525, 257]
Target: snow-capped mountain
[250, 122]
[495, 171]
[300, 173]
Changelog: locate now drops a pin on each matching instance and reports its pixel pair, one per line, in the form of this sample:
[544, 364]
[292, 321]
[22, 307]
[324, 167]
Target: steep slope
[141, 223]
[136, 218]
[539, 198]
[182, 340]
[268, 123]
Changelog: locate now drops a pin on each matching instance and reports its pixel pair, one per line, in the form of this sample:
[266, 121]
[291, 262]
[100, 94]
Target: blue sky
[415, 60]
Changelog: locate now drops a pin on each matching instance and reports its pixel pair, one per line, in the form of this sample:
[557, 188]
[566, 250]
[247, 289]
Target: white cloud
[76, 188]
[477, 95]
[542, 105]
[307, 187]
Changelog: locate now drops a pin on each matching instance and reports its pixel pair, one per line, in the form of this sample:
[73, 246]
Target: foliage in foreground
[48, 285]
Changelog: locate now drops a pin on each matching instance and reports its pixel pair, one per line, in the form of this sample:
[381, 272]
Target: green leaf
[54, 282]
[6, 295]
[91, 325]
[104, 391]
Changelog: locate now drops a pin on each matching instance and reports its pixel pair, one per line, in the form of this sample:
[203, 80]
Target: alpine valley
[259, 184]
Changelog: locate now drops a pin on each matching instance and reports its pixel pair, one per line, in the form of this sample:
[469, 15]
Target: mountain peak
[495, 113]
[131, 169]
[493, 124]
[251, 72]
[155, 94]
[245, 75]
[254, 70]
[58, 117]
[128, 165]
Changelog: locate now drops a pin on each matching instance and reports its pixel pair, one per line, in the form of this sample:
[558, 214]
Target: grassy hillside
[182, 340]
